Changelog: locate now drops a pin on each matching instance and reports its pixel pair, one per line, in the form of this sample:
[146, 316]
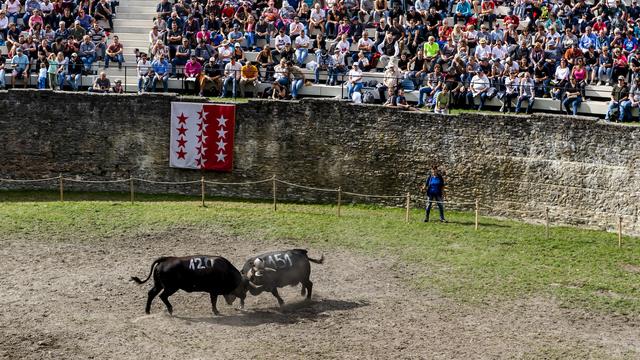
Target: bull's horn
[254, 285]
[269, 269]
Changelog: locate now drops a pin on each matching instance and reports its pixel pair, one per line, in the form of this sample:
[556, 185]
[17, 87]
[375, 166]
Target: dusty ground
[72, 299]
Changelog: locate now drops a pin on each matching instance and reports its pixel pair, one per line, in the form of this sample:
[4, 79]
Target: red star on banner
[181, 154]
[181, 142]
[182, 119]
[182, 131]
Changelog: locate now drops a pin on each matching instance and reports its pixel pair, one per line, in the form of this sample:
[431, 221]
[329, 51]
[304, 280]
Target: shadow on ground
[289, 314]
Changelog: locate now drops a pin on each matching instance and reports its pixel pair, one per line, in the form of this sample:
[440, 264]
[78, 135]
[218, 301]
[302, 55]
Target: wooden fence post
[406, 214]
[546, 221]
[339, 199]
[275, 206]
[202, 190]
[61, 188]
[477, 210]
[619, 231]
[131, 188]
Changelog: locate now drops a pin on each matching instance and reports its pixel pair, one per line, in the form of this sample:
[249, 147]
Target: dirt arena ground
[71, 299]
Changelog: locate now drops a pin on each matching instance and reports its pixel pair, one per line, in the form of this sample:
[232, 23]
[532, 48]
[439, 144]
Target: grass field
[502, 260]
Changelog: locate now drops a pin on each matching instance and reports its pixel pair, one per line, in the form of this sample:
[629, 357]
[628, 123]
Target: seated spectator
[572, 97]
[442, 101]
[354, 82]
[302, 44]
[324, 63]
[619, 94]
[182, 55]
[145, 73]
[101, 84]
[478, 89]
[265, 61]
[232, 74]
[632, 102]
[87, 52]
[117, 87]
[99, 38]
[211, 76]
[161, 69]
[527, 92]
[115, 52]
[20, 63]
[74, 71]
[103, 12]
[401, 102]
[249, 77]
[512, 91]
[193, 68]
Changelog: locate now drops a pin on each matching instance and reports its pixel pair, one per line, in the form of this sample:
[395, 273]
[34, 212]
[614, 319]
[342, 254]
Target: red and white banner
[202, 136]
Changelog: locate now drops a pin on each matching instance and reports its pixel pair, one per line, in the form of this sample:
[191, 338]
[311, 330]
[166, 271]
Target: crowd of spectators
[61, 36]
[515, 50]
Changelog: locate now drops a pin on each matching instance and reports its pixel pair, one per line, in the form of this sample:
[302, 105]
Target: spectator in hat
[211, 76]
[619, 94]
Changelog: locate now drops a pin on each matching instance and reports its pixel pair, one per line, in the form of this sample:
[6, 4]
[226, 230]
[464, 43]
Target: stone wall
[583, 170]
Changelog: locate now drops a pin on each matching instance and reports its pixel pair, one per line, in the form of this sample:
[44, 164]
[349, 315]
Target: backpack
[368, 98]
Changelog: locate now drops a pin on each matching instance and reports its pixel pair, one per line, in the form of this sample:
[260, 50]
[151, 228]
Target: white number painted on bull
[280, 261]
[199, 263]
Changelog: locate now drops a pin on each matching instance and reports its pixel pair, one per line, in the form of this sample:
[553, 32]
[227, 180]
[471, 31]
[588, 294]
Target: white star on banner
[222, 121]
[221, 145]
[202, 114]
[202, 151]
[204, 126]
[221, 156]
[222, 133]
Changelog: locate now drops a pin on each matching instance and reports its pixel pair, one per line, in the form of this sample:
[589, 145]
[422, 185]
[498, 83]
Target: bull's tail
[317, 261]
[137, 279]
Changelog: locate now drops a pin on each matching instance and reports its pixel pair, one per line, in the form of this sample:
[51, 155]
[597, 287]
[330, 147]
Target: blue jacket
[464, 8]
[160, 67]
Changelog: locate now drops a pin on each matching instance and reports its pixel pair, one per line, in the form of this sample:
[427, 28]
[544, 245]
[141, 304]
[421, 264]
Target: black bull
[282, 268]
[212, 274]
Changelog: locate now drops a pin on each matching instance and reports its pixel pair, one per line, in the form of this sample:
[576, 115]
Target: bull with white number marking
[270, 271]
[202, 273]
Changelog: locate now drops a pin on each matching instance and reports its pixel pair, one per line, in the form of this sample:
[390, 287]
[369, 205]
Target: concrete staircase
[132, 25]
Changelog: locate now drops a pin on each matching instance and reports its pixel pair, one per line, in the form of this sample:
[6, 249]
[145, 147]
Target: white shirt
[511, 85]
[42, 73]
[295, 29]
[355, 76]
[499, 53]
[343, 46]
[302, 41]
[562, 74]
[365, 42]
[143, 67]
[483, 52]
[479, 83]
[281, 41]
[233, 70]
[317, 15]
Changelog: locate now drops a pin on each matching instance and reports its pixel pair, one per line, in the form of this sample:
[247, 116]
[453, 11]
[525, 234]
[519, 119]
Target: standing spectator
[434, 186]
[114, 53]
[161, 70]
[42, 76]
[619, 94]
[232, 73]
[527, 92]
[249, 77]
[572, 97]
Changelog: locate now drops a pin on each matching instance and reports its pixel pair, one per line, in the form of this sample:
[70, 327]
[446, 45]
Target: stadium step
[145, 24]
[133, 16]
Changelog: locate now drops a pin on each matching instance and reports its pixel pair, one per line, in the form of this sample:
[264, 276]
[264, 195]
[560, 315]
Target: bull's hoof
[147, 312]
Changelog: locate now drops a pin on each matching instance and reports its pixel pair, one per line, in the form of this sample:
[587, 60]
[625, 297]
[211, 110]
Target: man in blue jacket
[434, 185]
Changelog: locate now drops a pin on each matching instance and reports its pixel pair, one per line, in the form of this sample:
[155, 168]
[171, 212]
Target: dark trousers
[438, 199]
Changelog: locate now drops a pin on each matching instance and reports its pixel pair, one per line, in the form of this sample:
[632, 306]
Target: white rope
[168, 182]
[304, 187]
[420, 199]
[238, 183]
[30, 180]
[95, 181]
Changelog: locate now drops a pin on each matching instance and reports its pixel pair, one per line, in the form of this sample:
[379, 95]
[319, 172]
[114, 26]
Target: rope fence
[406, 200]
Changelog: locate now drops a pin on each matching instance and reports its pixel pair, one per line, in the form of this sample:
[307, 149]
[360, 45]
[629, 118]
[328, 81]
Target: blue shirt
[20, 62]
[160, 67]
[464, 8]
[435, 184]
